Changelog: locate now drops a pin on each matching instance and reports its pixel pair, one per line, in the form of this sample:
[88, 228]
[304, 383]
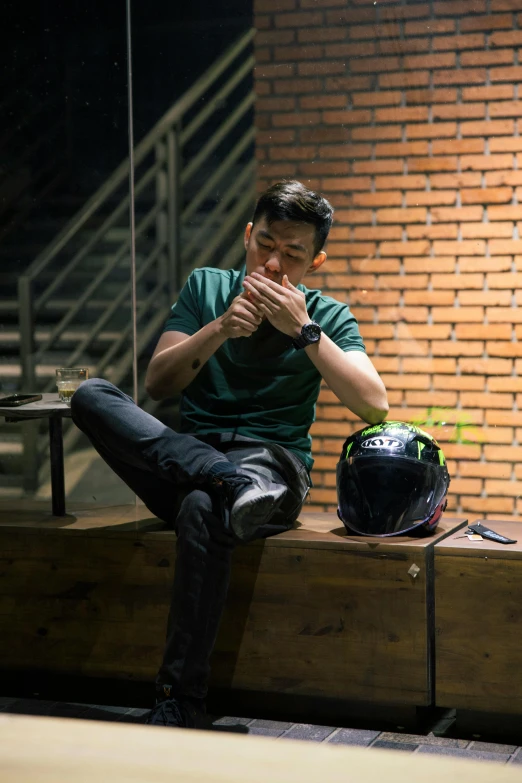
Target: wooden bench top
[459, 544]
[320, 530]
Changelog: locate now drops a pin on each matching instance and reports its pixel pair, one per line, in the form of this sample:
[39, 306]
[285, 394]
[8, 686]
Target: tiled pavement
[431, 742]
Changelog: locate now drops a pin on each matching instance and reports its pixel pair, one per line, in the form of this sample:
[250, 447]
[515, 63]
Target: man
[247, 349]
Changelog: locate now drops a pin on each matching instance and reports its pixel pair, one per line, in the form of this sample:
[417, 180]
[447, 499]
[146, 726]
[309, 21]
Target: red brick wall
[406, 116]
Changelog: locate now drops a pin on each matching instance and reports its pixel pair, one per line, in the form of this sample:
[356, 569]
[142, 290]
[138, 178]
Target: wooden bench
[478, 619]
[314, 612]
[311, 612]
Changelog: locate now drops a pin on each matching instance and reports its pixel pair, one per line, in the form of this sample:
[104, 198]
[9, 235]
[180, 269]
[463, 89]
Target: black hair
[291, 200]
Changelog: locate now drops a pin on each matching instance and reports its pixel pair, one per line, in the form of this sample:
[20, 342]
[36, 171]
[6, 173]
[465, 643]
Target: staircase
[194, 192]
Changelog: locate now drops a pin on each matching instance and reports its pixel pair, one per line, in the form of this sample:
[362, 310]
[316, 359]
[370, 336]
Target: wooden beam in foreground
[38, 750]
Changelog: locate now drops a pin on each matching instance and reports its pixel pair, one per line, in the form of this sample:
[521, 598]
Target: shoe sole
[254, 508]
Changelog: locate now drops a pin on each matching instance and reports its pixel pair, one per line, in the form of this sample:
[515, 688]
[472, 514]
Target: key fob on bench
[485, 532]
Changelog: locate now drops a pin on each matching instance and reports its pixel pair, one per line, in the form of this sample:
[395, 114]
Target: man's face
[281, 248]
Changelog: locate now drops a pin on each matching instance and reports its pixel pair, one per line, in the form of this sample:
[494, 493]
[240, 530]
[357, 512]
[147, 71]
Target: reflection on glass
[64, 241]
[195, 168]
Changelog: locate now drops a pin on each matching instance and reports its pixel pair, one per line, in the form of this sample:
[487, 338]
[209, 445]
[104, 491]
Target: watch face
[312, 332]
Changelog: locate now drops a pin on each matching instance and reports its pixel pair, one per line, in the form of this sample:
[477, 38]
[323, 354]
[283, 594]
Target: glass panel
[195, 183]
[64, 228]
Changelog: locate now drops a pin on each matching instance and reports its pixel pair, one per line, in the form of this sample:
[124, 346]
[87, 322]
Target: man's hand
[242, 318]
[284, 305]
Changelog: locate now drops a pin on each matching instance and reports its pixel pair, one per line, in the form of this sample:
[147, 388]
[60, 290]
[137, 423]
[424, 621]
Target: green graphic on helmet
[399, 425]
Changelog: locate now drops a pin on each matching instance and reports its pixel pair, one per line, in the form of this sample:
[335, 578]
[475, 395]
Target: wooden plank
[310, 612]
[326, 531]
[39, 749]
[458, 543]
[84, 604]
[311, 528]
[478, 586]
[345, 627]
[35, 517]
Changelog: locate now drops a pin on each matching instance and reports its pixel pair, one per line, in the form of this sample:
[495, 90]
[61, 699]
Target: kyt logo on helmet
[379, 443]
[391, 479]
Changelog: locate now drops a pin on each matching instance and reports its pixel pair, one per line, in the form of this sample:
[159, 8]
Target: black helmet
[391, 478]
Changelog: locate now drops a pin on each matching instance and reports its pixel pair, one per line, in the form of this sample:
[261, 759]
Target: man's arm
[350, 375]
[352, 378]
[178, 357]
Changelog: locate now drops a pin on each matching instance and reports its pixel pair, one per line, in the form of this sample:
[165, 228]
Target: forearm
[359, 388]
[174, 368]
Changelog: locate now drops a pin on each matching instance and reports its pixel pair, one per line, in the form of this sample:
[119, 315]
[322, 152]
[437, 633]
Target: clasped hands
[284, 306]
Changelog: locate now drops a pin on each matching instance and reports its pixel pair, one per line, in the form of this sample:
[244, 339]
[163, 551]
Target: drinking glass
[68, 379]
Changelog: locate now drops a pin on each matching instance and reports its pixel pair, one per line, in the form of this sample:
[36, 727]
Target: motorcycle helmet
[391, 479]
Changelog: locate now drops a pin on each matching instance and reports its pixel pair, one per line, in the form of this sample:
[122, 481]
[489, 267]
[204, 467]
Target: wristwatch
[310, 333]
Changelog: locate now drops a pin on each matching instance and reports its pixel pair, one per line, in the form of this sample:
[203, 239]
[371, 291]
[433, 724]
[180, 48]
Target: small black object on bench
[486, 532]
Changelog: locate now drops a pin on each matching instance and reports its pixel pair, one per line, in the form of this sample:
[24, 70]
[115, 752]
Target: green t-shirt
[259, 386]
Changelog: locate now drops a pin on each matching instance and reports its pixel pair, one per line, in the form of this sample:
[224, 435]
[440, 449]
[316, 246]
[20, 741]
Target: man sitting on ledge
[247, 350]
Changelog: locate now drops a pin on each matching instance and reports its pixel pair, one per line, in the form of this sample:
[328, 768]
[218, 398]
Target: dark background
[72, 56]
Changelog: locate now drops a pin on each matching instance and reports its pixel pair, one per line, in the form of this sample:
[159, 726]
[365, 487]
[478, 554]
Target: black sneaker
[254, 505]
[227, 485]
[250, 503]
[177, 713]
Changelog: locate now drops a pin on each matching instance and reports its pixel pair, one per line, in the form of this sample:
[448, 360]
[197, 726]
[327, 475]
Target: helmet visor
[379, 496]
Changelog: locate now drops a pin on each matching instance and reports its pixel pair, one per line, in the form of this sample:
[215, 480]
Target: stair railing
[194, 191]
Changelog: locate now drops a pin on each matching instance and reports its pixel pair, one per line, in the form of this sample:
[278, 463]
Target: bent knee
[87, 394]
[201, 514]
[197, 502]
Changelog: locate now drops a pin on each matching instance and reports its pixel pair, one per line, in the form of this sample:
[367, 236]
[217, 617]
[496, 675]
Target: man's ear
[248, 231]
[317, 262]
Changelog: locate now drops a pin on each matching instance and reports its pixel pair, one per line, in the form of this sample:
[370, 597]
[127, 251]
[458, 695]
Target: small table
[49, 407]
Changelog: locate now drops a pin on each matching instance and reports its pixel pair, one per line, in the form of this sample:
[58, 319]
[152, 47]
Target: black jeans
[167, 470]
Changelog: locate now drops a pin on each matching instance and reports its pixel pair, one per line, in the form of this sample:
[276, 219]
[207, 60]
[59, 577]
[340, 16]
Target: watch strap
[303, 340]
[300, 342]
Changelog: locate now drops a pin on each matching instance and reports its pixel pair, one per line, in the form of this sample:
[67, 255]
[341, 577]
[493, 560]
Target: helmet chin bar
[424, 526]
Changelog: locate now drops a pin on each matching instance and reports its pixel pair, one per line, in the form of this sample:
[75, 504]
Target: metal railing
[194, 191]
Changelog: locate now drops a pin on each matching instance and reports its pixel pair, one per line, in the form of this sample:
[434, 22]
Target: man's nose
[272, 265]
